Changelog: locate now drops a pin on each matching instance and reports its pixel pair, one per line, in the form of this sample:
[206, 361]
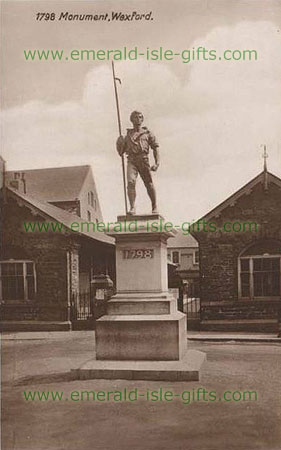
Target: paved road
[41, 364]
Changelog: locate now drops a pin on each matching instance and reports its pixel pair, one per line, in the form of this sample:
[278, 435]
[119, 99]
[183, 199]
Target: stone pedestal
[142, 326]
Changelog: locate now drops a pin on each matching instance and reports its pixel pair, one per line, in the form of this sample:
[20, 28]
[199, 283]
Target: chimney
[19, 182]
[2, 179]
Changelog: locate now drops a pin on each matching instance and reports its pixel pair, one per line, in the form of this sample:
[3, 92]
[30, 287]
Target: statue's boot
[132, 211]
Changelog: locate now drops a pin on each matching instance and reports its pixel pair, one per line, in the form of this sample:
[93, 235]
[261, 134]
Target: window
[17, 280]
[89, 216]
[176, 257]
[260, 273]
[245, 277]
[260, 277]
[266, 273]
[196, 257]
[92, 198]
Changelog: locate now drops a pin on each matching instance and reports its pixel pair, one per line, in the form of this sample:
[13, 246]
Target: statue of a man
[136, 145]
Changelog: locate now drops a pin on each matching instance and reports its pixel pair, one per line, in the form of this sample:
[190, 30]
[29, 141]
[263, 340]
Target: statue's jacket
[137, 143]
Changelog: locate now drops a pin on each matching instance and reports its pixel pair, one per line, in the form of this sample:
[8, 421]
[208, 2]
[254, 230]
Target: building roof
[262, 178]
[53, 184]
[54, 213]
[182, 241]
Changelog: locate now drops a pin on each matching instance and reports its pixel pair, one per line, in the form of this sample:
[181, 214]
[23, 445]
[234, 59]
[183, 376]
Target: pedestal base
[141, 337]
[187, 369]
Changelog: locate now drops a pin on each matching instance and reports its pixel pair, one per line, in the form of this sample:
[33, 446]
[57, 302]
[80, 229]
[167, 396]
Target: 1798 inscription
[139, 253]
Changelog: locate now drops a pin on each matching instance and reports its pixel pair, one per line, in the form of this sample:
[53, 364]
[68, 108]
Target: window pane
[276, 264]
[245, 265]
[276, 283]
[19, 268]
[258, 284]
[271, 283]
[267, 264]
[245, 284]
[30, 288]
[257, 264]
[175, 257]
[29, 268]
[267, 283]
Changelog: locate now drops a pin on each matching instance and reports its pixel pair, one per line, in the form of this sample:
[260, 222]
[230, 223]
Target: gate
[192, 308]
[82, 314]
[85, 310]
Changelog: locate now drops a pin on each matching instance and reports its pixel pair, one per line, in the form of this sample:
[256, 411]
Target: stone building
[239, 258]
[69, 188]
[41, 272]
[183, 253]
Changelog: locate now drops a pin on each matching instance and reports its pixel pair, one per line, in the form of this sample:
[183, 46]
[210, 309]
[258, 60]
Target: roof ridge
[47, 168]
[49, 210]
[30, 198]
[237, 193]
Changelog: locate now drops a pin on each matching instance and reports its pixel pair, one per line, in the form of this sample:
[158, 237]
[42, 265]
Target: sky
[210, 117]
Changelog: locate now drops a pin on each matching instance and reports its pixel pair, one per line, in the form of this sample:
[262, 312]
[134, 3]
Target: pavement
[39, 362]
[217, 336]
[44, 356]
[191, 335]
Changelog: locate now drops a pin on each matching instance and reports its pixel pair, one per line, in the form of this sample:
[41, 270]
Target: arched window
[259, 270]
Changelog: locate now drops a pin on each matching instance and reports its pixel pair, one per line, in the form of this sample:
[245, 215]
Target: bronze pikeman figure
[136, 145]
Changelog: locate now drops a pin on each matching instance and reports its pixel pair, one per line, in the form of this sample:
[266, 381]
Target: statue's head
[136, 118]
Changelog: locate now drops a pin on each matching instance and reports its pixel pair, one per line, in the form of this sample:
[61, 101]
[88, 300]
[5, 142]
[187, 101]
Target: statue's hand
[154, 167]
[120, 145]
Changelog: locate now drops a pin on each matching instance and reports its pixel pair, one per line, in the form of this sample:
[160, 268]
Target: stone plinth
[141, 253]
[143, 335]
[186, 369]
[150, 303]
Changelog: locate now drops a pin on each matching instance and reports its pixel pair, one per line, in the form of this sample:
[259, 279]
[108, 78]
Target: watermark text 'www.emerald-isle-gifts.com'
[134, 226]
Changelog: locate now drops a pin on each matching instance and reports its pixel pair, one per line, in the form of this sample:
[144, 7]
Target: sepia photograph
[140, 225]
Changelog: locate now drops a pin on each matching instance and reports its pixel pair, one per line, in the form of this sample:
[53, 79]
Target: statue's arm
[155, 147]
[156, 156]
[121, 145]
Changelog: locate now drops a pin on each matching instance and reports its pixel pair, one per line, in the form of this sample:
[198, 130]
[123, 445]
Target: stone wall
[219, 251]
[59, 259]
[49, 253]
